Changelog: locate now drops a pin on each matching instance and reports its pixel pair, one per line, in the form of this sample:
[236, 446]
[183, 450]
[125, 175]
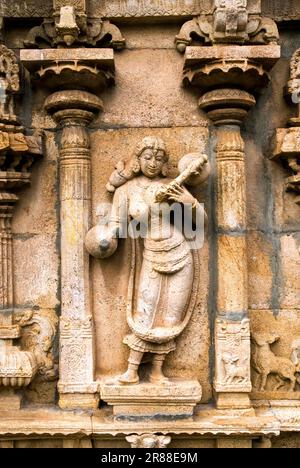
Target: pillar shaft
[77, 386]
[232, 299]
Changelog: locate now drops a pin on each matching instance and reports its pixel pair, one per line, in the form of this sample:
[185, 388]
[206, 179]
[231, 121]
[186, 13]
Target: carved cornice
[279, 10]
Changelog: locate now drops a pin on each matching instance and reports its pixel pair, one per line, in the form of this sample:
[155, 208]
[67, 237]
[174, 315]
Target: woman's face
[152, 162]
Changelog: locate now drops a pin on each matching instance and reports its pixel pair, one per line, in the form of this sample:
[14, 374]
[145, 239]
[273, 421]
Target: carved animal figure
[234, 373]
[265, 363]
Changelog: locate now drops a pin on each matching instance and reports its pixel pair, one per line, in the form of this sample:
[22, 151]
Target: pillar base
[83, 401]
[233, 401]
[175, 399]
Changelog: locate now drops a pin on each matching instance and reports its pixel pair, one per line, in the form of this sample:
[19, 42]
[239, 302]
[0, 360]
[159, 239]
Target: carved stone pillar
[229, 76]
[232, 331]
[78, 74]
[73, 111]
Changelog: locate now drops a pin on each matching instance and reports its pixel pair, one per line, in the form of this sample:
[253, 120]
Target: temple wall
[148, 99]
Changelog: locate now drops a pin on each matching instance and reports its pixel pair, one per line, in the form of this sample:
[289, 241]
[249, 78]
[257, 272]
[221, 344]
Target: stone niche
[110, 277]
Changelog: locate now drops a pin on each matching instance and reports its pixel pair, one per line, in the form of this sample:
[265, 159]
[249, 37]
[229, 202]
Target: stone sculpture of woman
[162, 291]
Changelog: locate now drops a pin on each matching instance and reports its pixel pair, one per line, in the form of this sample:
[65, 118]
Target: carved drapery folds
[70, 26]
[287, 140]
[230, 73]
[17, 154]
[230, 23]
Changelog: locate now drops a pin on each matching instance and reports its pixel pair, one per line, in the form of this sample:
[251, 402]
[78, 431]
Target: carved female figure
[162, 291]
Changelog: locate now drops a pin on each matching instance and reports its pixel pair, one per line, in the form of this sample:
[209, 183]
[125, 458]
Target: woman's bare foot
[157, 377]
[129, 378]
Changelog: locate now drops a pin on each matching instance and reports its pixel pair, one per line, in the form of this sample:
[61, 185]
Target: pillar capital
[73, 107]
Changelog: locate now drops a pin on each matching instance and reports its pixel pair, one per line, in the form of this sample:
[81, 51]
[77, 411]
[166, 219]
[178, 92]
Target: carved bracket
[70, 26]
[230, 23]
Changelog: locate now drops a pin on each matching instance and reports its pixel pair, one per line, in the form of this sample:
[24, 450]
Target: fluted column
[74, 110]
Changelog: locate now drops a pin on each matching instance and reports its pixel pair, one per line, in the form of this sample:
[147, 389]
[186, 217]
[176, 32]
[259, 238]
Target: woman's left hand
[179, 194]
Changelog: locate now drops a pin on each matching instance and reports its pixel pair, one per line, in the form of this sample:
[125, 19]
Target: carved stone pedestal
[175, 399]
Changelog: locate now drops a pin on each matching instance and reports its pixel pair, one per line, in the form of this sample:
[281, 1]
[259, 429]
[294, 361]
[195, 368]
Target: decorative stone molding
[287, 140]
[230, 23]
[281, 10]
[70, 26]
[17, 154]
[148, 441]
